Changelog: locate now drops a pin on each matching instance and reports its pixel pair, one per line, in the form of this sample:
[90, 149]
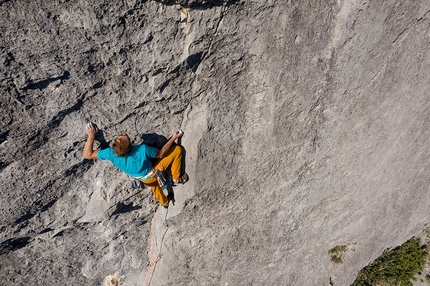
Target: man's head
[122, 145]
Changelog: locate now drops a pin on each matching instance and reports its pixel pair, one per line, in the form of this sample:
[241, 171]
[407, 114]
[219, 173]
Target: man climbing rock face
[140, 161]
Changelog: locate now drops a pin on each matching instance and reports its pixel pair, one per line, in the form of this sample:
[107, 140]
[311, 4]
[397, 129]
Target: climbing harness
[136, 181]
[161, 179]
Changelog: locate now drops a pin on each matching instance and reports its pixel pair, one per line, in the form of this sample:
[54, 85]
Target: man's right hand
[91, 130]
[89, 153]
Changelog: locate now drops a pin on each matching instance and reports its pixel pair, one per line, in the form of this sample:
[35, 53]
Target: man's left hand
[178, 134]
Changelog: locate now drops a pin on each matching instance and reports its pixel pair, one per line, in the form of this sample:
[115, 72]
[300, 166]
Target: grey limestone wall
[306, 126]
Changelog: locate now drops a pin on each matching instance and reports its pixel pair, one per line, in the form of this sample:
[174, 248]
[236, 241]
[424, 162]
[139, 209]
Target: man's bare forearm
[88, 149]
[169, 144]
[166, 148]
[89, 152]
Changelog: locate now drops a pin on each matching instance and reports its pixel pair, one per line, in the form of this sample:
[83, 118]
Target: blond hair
[121, 147]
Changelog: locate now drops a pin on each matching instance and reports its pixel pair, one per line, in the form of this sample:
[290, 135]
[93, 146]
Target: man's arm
[161, 153]
[89, 153]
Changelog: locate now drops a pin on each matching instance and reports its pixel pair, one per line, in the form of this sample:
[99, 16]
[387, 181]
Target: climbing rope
[152, 263]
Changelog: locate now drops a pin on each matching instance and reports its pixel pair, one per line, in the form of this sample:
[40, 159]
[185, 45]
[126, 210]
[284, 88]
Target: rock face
[306, 127]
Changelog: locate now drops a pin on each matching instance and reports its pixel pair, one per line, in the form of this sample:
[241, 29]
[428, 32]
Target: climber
[141, 162]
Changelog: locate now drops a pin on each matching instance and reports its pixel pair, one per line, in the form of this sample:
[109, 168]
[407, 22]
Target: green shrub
[336, 253]
[394, 267]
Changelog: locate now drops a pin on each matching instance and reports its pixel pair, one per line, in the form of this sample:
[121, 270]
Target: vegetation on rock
[394, 267]
[336, 253]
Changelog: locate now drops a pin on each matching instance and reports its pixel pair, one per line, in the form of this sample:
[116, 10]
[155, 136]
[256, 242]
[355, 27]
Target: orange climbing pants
[173, 159]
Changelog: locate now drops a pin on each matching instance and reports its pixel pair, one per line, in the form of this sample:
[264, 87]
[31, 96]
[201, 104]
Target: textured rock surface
[306, 127]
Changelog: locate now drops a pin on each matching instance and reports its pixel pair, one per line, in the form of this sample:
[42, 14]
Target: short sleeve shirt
[136, 164]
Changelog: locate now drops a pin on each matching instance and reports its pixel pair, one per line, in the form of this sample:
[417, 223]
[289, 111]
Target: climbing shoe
[181, 180]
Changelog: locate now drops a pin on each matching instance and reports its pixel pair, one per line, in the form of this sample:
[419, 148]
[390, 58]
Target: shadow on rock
[125, 208]
[199, 4]
[45, 83]
[154, 140]
[100, 136]
[13, 244]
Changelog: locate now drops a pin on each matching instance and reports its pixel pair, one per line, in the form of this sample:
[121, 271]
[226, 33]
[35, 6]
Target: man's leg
[157, 191]
[172, 160]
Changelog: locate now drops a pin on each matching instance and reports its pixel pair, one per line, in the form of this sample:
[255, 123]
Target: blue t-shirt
[136, 164]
